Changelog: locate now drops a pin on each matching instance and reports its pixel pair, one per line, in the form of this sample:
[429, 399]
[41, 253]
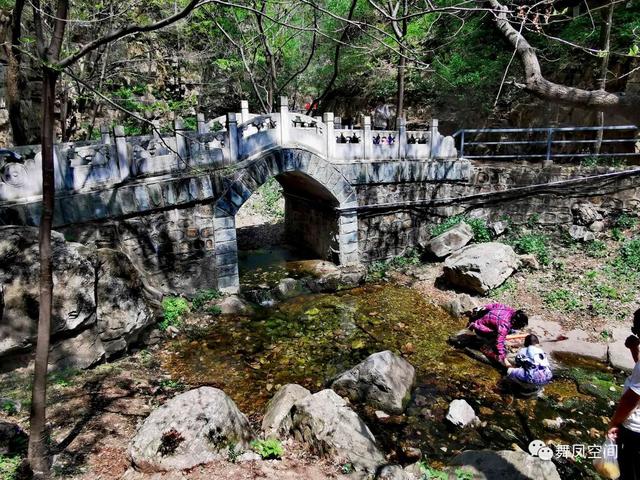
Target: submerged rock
[505, 465]
[277, 419]
[288, 287]
[193, 428]
[461, 413]
[481, 267]
[326, 423]
[383, 380]
[450, 241]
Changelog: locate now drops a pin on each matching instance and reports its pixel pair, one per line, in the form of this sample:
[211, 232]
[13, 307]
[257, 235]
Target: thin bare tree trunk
[604, 68]
[38, 455]
[402, 63]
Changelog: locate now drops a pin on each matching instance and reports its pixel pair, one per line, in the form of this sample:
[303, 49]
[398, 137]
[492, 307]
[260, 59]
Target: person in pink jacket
[493, 323]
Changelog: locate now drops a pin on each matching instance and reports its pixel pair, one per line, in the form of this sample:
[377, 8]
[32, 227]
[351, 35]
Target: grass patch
[535, 244]
[379, 269]
[562, 299]
[481, 232]
[596, 249]
[10, 467]
[507, 287]
[628, 259]
[172, 310]
[203, 297]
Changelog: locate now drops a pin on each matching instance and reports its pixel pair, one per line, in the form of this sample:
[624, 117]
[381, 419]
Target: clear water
[311, 338]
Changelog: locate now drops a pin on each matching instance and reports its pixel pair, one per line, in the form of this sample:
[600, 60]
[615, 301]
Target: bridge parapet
[116, 159]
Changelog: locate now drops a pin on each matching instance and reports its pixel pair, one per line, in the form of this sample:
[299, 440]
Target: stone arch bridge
[169, 201]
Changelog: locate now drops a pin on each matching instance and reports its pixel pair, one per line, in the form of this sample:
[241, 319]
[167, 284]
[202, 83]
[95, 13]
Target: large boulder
[326, 423]
[505, 465]
[450, 241]
[74, 307]
[122, 310]
[277, 418]
[383, 380]
[101, 303]
[481, 267]
[195, 427]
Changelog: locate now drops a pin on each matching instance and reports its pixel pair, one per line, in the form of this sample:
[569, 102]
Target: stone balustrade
[222, 142]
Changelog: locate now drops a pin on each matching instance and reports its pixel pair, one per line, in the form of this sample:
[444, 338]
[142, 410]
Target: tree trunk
[38, 455]
[604, 68]
[400, 101]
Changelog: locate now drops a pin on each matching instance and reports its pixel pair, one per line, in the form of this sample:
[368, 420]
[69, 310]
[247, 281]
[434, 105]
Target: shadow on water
[311, 338]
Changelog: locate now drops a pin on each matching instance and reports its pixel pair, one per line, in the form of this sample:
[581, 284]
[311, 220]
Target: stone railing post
[125, 167]
[232, 131]
[367, 138]
[202, 126]
[285, 123]
[244, 111]
[402, 137]
[434, 134]
[337, 123]
[330, 135]
[181, 143]
[105, 136]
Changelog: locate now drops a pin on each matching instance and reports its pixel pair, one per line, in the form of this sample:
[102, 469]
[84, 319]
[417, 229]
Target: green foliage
[171, 384]
[9, 467]
[271, 199]
[203, 297]
[431, 473]
[533, 220]
[63, 378]
[617, 234]
[269, 448]
[626, 221]
[536, 244]
[603, 161]
[8, 407]
[628, 259]
[596, 249]
[233, 452]
[507, 287]
[172, 310]
[563, 300]
[481, 232]
[379, 269]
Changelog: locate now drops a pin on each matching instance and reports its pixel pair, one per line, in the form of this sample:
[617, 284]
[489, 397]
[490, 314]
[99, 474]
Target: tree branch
[537, 84]
[123, 32]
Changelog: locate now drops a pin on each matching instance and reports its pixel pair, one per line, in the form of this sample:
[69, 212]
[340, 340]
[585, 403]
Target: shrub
[172, 310]
[268, 449]
[203, 297]
[535, 244]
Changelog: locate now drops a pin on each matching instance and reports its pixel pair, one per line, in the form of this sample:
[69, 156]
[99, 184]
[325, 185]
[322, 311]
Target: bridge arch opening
[319, 212]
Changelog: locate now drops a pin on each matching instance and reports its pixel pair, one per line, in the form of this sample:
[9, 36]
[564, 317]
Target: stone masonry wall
[413, 208]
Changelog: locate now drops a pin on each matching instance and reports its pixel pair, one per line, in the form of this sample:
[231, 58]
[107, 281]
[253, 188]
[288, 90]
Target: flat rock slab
[597, 351]
[505, 465]
[450, 241]
[620, 357]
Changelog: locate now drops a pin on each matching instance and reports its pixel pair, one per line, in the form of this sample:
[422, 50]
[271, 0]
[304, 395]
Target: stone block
[225, 235]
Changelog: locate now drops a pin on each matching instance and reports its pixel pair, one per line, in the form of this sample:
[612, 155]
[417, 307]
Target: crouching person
[532, 371]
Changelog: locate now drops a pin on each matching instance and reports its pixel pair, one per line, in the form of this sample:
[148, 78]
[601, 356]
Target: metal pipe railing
[551, 139]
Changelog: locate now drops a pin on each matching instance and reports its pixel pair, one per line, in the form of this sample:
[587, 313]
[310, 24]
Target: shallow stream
[311, 338]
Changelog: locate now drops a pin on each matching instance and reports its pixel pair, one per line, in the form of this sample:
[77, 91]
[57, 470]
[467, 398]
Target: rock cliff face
[100, 303]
